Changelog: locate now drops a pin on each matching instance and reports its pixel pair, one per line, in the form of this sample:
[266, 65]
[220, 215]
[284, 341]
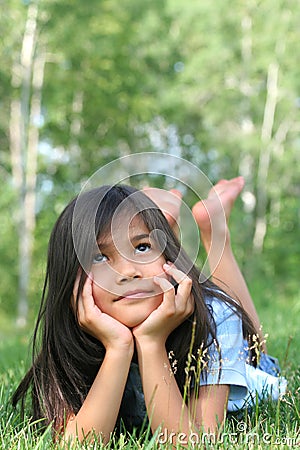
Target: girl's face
[123, 272]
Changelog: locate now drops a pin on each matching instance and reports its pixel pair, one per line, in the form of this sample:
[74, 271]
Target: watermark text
[241, 436]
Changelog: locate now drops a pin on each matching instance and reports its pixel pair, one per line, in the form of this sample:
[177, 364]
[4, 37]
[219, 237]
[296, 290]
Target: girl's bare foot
[213, 213]
[168, 201]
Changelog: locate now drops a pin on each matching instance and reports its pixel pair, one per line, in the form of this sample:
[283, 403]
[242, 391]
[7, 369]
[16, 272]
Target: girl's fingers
[166, 287]
[182, 301]
[76, 284]
[87, 291]
[75, 290]
[177, 274]
[184, 282]
[85, 300]
[184, 286]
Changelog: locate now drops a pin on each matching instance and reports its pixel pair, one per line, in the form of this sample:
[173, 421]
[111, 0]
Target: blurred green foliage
[189, 79]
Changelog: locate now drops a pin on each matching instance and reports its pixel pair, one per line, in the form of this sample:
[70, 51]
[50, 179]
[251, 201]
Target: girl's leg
[212, 216]
[169, 202]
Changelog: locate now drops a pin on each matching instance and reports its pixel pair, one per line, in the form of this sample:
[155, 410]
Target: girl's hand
[93, 321]
[173, 310]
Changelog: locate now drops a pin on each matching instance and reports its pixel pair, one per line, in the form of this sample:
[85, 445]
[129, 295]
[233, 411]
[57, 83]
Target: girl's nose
[127, 270]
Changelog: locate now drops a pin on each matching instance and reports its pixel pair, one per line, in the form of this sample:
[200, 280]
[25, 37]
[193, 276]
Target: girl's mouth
[135, 294]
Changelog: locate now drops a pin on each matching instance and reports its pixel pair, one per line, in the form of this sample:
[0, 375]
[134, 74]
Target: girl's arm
[164, 402]
[209, 407]
[100, 409]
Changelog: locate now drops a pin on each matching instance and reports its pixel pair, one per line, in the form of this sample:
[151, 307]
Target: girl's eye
[99, 258]
[142, 248]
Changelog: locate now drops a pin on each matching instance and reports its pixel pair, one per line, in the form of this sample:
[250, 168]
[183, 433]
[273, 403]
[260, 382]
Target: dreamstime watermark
[177, 172]
[241, 436]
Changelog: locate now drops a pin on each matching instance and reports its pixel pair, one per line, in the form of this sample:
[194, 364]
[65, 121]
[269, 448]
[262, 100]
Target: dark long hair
[65, 358]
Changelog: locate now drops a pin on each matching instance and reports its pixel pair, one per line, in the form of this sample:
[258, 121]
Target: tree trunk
[278, 151]
[76, 123]
[265, 157]
[27, 79]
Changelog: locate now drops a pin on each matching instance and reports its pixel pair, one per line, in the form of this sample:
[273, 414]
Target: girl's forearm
[164, 402]
[99, 411]
[165, 405]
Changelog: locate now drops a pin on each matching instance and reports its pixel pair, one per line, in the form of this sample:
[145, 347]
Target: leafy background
[214, 82]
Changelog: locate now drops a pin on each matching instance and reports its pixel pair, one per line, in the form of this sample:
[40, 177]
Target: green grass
[269, 426]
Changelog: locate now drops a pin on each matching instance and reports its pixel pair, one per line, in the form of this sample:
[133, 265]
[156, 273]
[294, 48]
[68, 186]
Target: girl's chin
[134, 323]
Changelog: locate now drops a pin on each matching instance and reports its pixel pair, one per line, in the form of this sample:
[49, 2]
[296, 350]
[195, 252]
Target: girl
[120, 298]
